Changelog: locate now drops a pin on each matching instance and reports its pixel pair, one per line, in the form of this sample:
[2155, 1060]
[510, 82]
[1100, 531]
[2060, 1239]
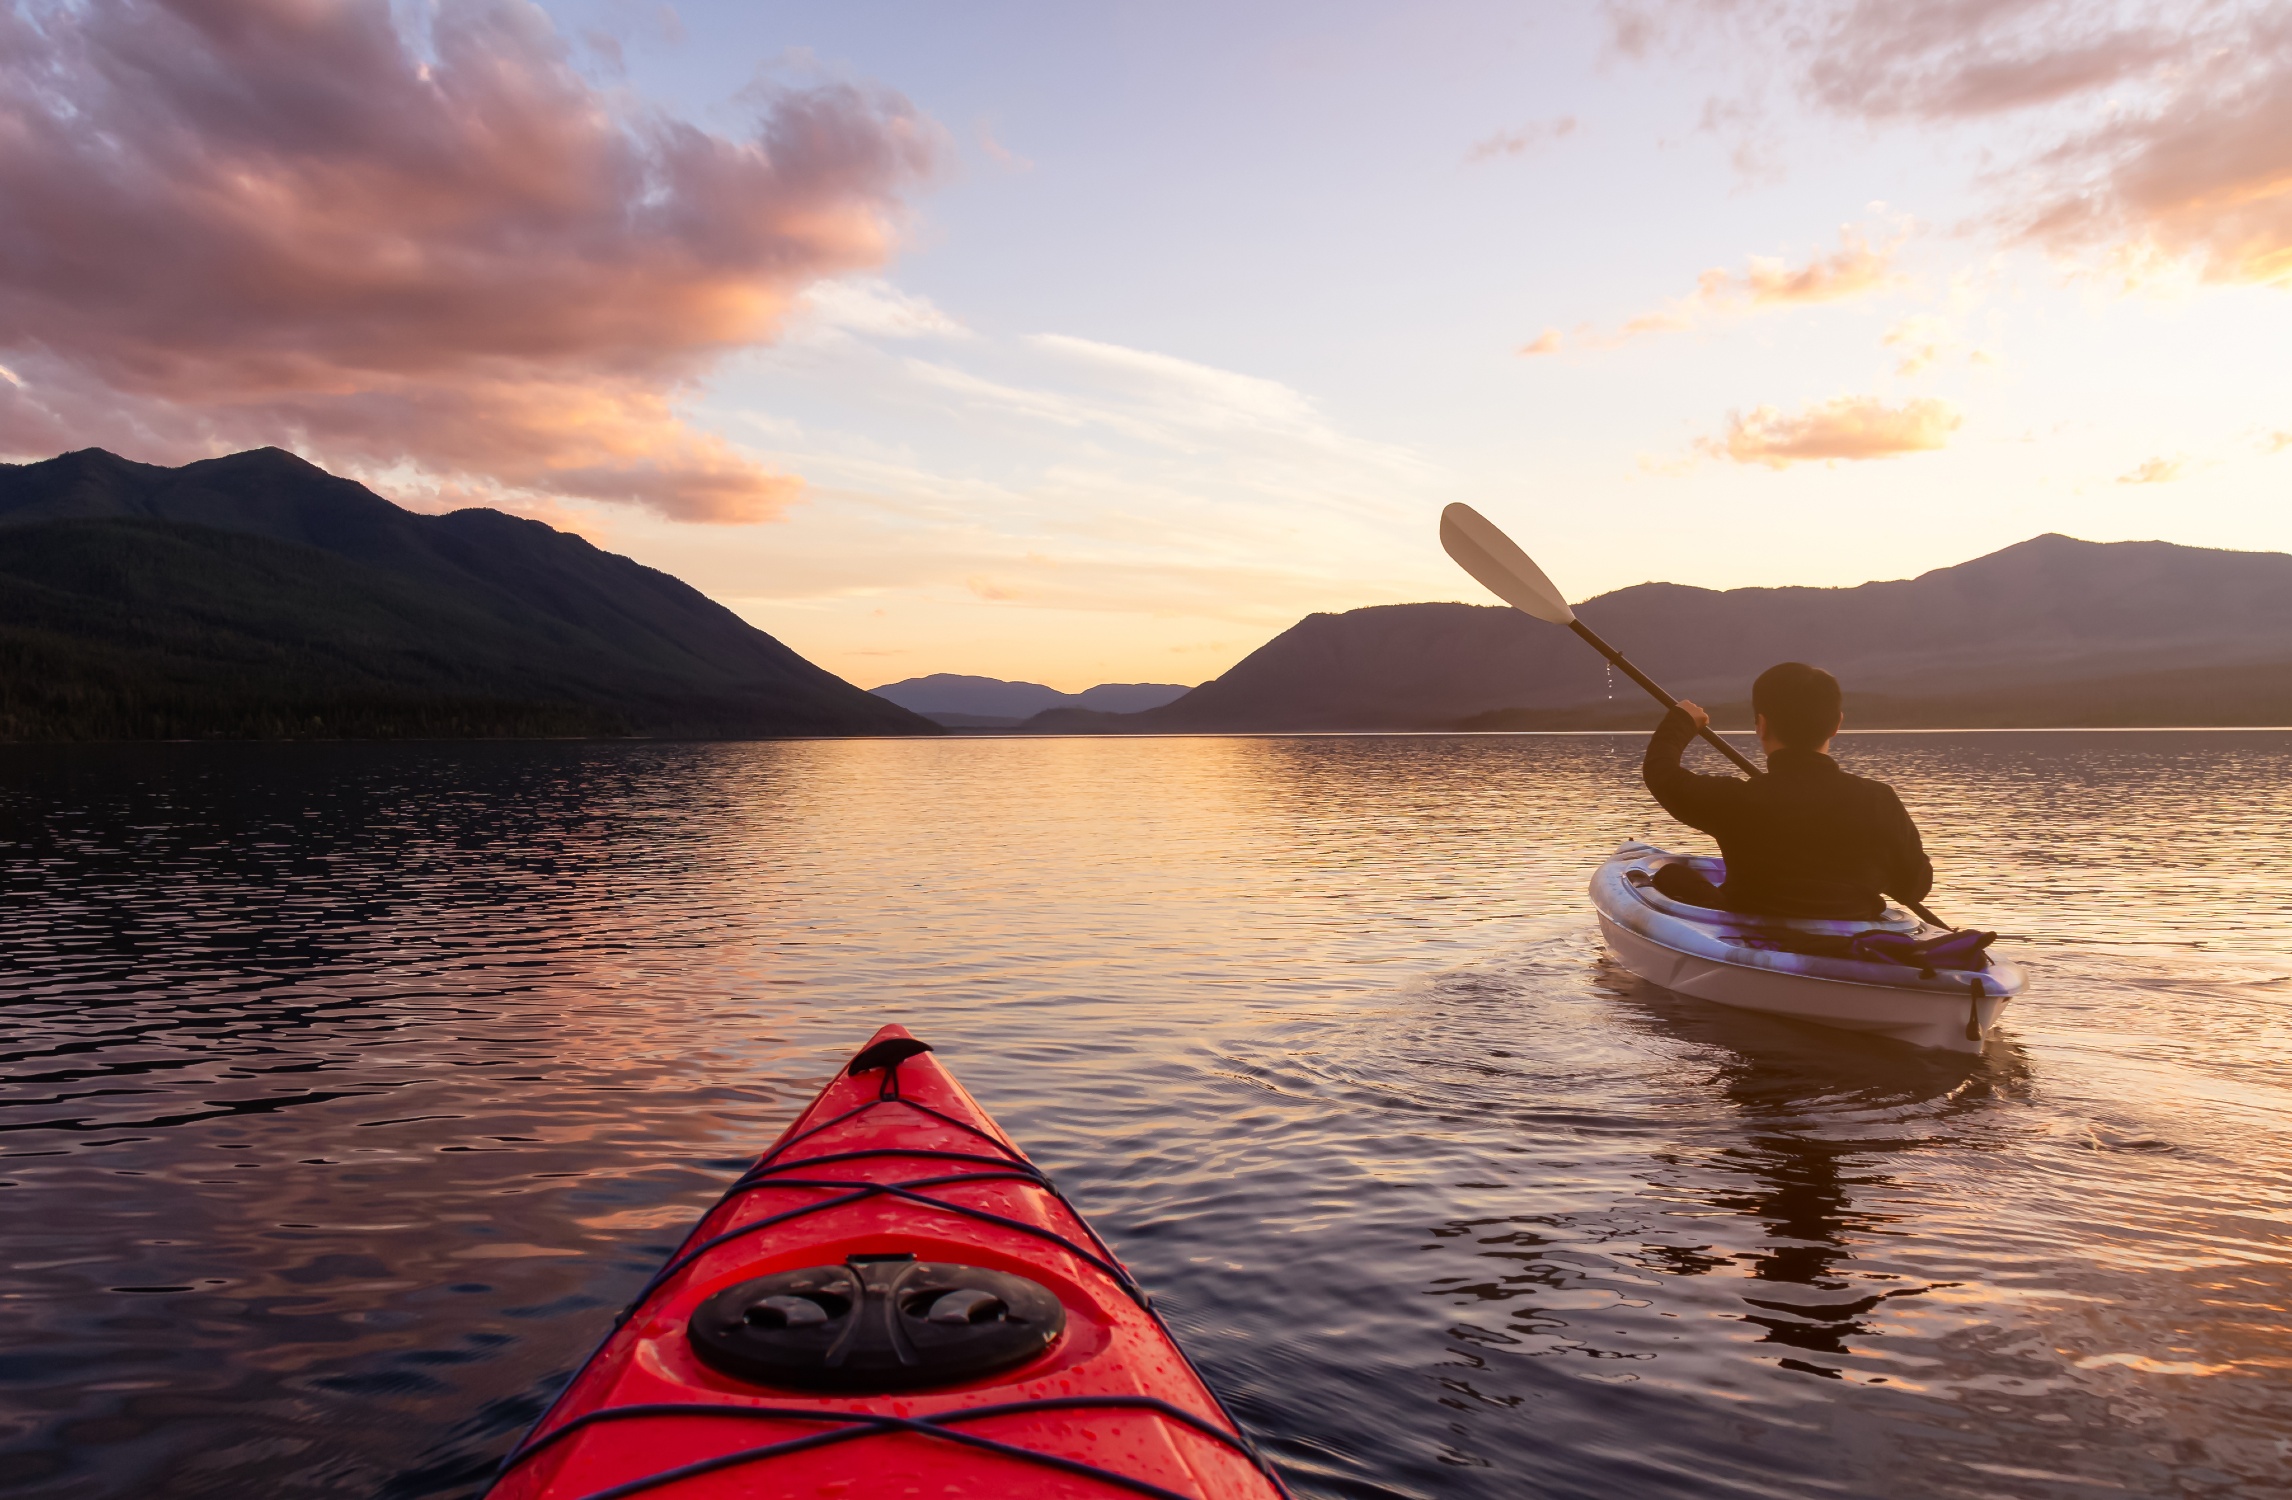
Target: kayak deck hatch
[893, 1272]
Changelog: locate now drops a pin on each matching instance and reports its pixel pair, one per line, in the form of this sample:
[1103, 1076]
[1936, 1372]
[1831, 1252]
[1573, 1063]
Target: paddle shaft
[1591, 639]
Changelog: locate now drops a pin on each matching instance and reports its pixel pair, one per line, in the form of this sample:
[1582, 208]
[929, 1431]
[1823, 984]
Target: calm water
[345, 1091]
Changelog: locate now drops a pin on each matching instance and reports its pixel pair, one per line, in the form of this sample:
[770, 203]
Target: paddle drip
[1512, 575]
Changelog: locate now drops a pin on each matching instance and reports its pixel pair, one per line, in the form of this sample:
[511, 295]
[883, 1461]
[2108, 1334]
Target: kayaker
[1804, 840]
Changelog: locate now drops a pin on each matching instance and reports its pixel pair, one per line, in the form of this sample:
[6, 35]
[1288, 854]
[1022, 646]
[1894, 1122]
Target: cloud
[2155, 471]
[1517, 142]
[1849, 427]
[1153, 398]
[1925, 339]
[1967, 60]
[1000, 154]
[1183, 393]
[1056, 407]
[2206, 177]
[287, 221]
[2158, 131]
[1064, 473]
[1921, 340]
[870, 305]
[2276, 442]
[1855, 269]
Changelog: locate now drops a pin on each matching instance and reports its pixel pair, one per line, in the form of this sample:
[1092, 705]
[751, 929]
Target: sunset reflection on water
[348, 1090]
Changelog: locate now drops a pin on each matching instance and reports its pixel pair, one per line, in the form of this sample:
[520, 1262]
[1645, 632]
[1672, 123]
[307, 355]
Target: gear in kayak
[876, 1323]
[1892, 978]
[891, 1219]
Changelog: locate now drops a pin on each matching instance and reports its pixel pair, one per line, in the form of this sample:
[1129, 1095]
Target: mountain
[2052, 630]
[992, 703]
[2211, 697]
[258, 594]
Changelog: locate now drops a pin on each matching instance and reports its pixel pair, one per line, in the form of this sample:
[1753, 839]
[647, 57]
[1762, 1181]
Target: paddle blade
[1502, 568]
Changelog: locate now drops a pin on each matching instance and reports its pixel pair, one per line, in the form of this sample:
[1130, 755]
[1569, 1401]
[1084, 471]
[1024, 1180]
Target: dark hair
[1802, 704]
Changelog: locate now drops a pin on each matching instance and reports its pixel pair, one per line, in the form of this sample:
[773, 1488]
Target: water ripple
[344, 1091]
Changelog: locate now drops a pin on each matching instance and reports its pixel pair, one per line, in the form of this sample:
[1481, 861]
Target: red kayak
[892, 1301]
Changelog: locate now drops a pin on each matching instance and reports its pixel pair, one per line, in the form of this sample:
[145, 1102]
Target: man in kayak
[1804, 840]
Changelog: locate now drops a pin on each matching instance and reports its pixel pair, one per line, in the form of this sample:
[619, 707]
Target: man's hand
[1695, 711]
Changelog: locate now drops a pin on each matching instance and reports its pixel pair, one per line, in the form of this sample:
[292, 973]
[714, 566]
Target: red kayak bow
[892, 1301]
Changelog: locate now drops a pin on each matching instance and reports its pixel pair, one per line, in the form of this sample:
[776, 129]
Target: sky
[1077, 342]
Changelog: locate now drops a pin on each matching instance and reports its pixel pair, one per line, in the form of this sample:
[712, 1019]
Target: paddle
[1512, 575]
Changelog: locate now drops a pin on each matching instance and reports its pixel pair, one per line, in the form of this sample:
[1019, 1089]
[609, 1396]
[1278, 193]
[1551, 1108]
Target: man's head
[1799, 706]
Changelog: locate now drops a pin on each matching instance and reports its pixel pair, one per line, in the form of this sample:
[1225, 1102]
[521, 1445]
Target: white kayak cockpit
[1788, 966]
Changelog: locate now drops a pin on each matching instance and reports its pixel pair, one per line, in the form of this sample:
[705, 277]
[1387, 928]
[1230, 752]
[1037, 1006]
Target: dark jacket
[1804, 840]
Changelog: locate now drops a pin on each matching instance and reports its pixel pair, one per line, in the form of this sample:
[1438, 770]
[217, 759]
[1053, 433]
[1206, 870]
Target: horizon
[935, 343]
[1488, 602]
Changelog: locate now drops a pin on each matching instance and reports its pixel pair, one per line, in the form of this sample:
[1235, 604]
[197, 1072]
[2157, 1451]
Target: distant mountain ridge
[2031, 621]
[963, 702]
[259, 594]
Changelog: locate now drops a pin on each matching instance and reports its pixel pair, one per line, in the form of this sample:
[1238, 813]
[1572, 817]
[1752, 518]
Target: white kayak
[1747, 962]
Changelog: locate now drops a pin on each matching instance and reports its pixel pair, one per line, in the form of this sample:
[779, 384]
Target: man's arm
[1909, 873]
[1697, 801]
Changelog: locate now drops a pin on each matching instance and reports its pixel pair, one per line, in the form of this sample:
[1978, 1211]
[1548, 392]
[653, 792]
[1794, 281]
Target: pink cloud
[2159, 129]
[1974, 57]
[285, 221]
[1547, 342]
[1518, 142]
[2206, 177]
[1849, 427]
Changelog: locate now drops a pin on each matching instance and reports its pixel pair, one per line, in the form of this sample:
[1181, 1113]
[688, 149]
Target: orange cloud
[1855, 269]
[1920, 339]
[2155, 471]
[285, 221]
[1850, 427]
[2206, 177]
[1924, 339]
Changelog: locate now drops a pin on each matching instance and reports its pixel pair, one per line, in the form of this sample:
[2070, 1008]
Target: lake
[347, 1090]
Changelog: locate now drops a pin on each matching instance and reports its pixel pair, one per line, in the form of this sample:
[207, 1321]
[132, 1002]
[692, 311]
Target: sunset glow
[1080, 345]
